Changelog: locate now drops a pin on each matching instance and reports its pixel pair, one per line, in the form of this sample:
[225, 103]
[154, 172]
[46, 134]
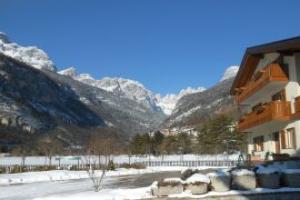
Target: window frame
[288, 138]
[258, 142]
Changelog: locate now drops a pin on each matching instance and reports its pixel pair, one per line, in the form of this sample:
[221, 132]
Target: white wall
[292, 91]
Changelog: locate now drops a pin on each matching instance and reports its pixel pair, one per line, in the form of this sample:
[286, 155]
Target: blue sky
[165, 44]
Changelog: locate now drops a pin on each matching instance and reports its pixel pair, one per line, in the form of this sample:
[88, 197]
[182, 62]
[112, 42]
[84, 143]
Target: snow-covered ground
[73, 185]
[145, 192]
[70, 160]
[65, 183]
[63, 175]
[105, 194]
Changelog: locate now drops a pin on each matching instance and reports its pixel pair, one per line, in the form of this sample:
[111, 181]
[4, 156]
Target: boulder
[220, 181]
[196, 188]
[291, 178]
[167, 187]
[268, 178]
[185, 174]
[197, 184]
[243, 179]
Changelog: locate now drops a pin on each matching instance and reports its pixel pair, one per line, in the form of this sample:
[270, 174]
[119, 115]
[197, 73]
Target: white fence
[190, 160]
[192, 163]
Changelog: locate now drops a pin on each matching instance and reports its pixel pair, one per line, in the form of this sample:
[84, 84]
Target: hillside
[194, 108]
[36, 101]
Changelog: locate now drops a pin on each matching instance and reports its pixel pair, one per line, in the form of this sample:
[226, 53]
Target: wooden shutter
[282, 139]
[293, 136]
[262, 143]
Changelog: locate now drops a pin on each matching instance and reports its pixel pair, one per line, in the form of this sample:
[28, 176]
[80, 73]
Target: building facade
[267, 90]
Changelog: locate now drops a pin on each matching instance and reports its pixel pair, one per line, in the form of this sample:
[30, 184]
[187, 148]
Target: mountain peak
[230, 72]
[169, 101]
[130, 89]
[71, 71]
[4, 38]
[30, 55]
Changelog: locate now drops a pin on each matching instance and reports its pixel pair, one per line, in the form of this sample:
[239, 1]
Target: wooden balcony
[273, 111]
[297, 108]
[270, 78]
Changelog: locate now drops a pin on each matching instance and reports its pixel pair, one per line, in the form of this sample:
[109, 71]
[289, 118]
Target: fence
[191, 163]
[66, 162]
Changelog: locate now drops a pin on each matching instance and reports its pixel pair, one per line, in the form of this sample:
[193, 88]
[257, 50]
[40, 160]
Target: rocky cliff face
[124, 88]
[194, 108]
[35, 101]
[32, 103]
[30, 55]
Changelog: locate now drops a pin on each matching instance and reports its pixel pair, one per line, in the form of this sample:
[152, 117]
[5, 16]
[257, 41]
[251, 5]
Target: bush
[44, 168]
[111, 165]
[133, 165]
[17, 169]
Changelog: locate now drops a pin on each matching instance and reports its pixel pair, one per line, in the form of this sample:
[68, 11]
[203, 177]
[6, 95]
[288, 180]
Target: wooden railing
[272, 72]
[296, 114]
[275, 110]
[297, 104]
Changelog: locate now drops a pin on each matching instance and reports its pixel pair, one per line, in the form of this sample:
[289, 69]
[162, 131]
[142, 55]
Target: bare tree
[100, 147]
[49, 147]
[96, 179]
[23, 151]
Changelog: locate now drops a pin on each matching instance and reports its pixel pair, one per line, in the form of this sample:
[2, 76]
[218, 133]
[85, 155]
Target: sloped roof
[253, 54]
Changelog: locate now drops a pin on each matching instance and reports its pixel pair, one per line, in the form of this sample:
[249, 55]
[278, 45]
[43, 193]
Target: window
[279, 96]
[288, 139]
[258, 143]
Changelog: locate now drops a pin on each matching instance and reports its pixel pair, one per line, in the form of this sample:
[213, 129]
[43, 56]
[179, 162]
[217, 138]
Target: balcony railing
[275, 110]
[270, 73]
[297, 108]
[297, 104]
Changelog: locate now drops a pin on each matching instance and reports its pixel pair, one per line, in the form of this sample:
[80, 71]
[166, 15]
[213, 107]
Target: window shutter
[282, 139]
[262, 143]
[293, 136]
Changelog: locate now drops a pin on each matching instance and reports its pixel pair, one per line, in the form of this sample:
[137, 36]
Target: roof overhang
[253, 55]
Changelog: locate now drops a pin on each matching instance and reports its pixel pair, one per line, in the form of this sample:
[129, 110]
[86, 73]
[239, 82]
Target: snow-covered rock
[169, 101]
[197, 177]
[129, 89]
[30, 55]
[71, 71]
[220, 180]
[133, 90]
[230, 72]
[120, 87]
[243, 179]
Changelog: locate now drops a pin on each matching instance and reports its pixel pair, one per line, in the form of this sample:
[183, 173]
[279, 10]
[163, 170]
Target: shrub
[111, 165]
[133, 165]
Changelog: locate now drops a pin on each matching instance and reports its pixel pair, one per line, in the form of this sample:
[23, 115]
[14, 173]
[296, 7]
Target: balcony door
[276, 142]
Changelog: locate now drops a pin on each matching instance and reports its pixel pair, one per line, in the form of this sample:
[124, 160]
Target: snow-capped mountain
[30, 55]
[129, 89]
[124, 88]
[76, 103]
[230, 72]
[133, 90]
[71, 71]
[192, 109]
[169, 101]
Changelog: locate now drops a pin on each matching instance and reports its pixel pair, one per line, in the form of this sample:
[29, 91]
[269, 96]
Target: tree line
[216, 135]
